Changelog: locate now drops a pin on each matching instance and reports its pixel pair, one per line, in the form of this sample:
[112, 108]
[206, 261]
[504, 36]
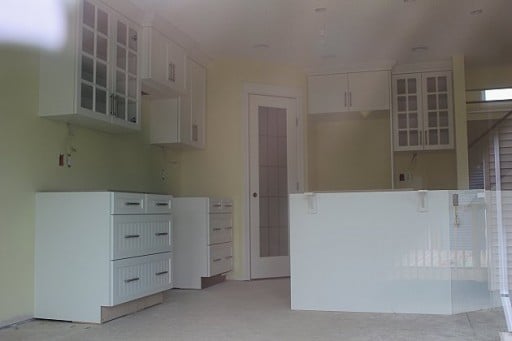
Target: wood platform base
[110, 313]
[209, 281]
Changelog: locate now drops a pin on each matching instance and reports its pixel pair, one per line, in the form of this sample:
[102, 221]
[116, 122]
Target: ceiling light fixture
[261, 46]
[476, 11]
[421, 48]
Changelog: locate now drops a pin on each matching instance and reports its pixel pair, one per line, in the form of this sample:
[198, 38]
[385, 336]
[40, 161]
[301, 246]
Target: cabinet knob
[255, 194]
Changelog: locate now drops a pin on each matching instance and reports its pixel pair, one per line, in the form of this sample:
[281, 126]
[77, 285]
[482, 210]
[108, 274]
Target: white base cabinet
[99, 249]
[202, 239]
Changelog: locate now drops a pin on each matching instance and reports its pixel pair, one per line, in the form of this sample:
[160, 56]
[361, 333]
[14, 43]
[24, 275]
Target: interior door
[273, 164]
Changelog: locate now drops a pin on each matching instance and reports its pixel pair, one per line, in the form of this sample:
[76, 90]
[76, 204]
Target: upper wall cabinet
[343, 92]
[423, 111]
[163, 68]
[94, 81]
[181, 121]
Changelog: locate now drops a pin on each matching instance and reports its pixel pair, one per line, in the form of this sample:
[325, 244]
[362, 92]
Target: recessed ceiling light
[320, 9]
[421, 48]
[260, 46]
[476, 12]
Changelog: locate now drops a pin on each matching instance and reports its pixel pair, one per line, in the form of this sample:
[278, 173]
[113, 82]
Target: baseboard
[14, 320]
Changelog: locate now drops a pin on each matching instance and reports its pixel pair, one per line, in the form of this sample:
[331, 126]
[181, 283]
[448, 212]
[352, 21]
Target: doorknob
[255, 194]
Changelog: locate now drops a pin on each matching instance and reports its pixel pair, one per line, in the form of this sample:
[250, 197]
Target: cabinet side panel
[72, 255]
[164, 121]
[190, 226]
[57, 72]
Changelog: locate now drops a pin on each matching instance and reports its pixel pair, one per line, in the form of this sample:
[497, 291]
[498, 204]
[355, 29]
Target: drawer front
[138, 235]
[127, 203]
[221, 206]
[221, 228]
[133, 278]
[221, 259]
[157, 204]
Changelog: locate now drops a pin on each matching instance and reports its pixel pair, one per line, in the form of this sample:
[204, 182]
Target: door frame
[275, 91]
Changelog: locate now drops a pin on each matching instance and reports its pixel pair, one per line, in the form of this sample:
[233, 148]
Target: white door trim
[264, 90]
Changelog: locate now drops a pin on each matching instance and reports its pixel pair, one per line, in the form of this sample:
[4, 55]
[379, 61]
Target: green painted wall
[29, 148]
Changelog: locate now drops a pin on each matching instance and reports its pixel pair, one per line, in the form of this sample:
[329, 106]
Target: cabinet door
[176, 58]
[327, 93]
[407, 121]
[437, 110]
[196, 81]
[94, 59]
[126, 72]
[368, 91]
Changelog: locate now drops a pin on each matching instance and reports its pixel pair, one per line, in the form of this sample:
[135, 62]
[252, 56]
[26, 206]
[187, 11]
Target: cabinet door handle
[162, 234]
[345, 98]
[217, 205]
[112, 96]
[162, 204]
[161, 273]
[425, 137]
[217, 229]
[217, 259]
[130, 236]
[228, 205]
[131, 279]
[132, 203]
[350, 99]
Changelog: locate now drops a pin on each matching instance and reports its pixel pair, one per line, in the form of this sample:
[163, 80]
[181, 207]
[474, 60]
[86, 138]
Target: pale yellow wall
[489, 76]
[349, 152]
[218, 170]
[428, 170]
[29, 147]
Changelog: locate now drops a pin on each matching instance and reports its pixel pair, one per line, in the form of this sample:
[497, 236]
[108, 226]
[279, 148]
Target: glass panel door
[126, 73]
[437, 110]
[94, 58]
[408, 129]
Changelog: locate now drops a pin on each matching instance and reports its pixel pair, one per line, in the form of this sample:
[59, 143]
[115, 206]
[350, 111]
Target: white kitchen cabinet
[423, 111]
[163, 68]
[97, 250]
[94, 81]
[203, 240]
[344, 92]
[181, 121]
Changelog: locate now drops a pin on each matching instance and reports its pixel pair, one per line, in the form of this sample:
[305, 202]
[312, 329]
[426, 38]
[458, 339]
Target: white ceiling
[347, 32]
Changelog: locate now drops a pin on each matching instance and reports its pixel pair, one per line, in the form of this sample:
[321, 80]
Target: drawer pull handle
[229, 227]
[162, 204]
[161, 234]
[132, 203]
[217, 205]
[228, 205]
[229, 257]
[131, 279]
[217, 259]
[161, 273]
[217, 229]
[128, 236]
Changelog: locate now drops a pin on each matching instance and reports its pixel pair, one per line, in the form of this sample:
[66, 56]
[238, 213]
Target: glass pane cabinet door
[407, 109]
[437, 110]
[94, 58]
[126, 72]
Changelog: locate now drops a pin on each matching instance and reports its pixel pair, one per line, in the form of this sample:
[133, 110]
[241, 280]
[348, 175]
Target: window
[504, 94]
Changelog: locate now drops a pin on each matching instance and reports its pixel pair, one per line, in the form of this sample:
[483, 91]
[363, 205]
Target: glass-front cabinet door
[126, 72]
[94, 59]
[408, 129]
[437, 109]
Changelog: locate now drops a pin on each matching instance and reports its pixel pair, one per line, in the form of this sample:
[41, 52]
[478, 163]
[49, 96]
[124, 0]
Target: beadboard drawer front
[137, 235]
[156, 203]
[128, 203]
[221, 228]
[133, 278]
[221, 259]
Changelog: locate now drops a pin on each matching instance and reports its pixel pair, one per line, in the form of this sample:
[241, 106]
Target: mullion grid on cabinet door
[132, 74]
[407, 103]
[94, 58]
[437, 110]
[121, 67]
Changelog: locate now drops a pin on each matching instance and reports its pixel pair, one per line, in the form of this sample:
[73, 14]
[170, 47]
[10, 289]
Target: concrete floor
[259, 310]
